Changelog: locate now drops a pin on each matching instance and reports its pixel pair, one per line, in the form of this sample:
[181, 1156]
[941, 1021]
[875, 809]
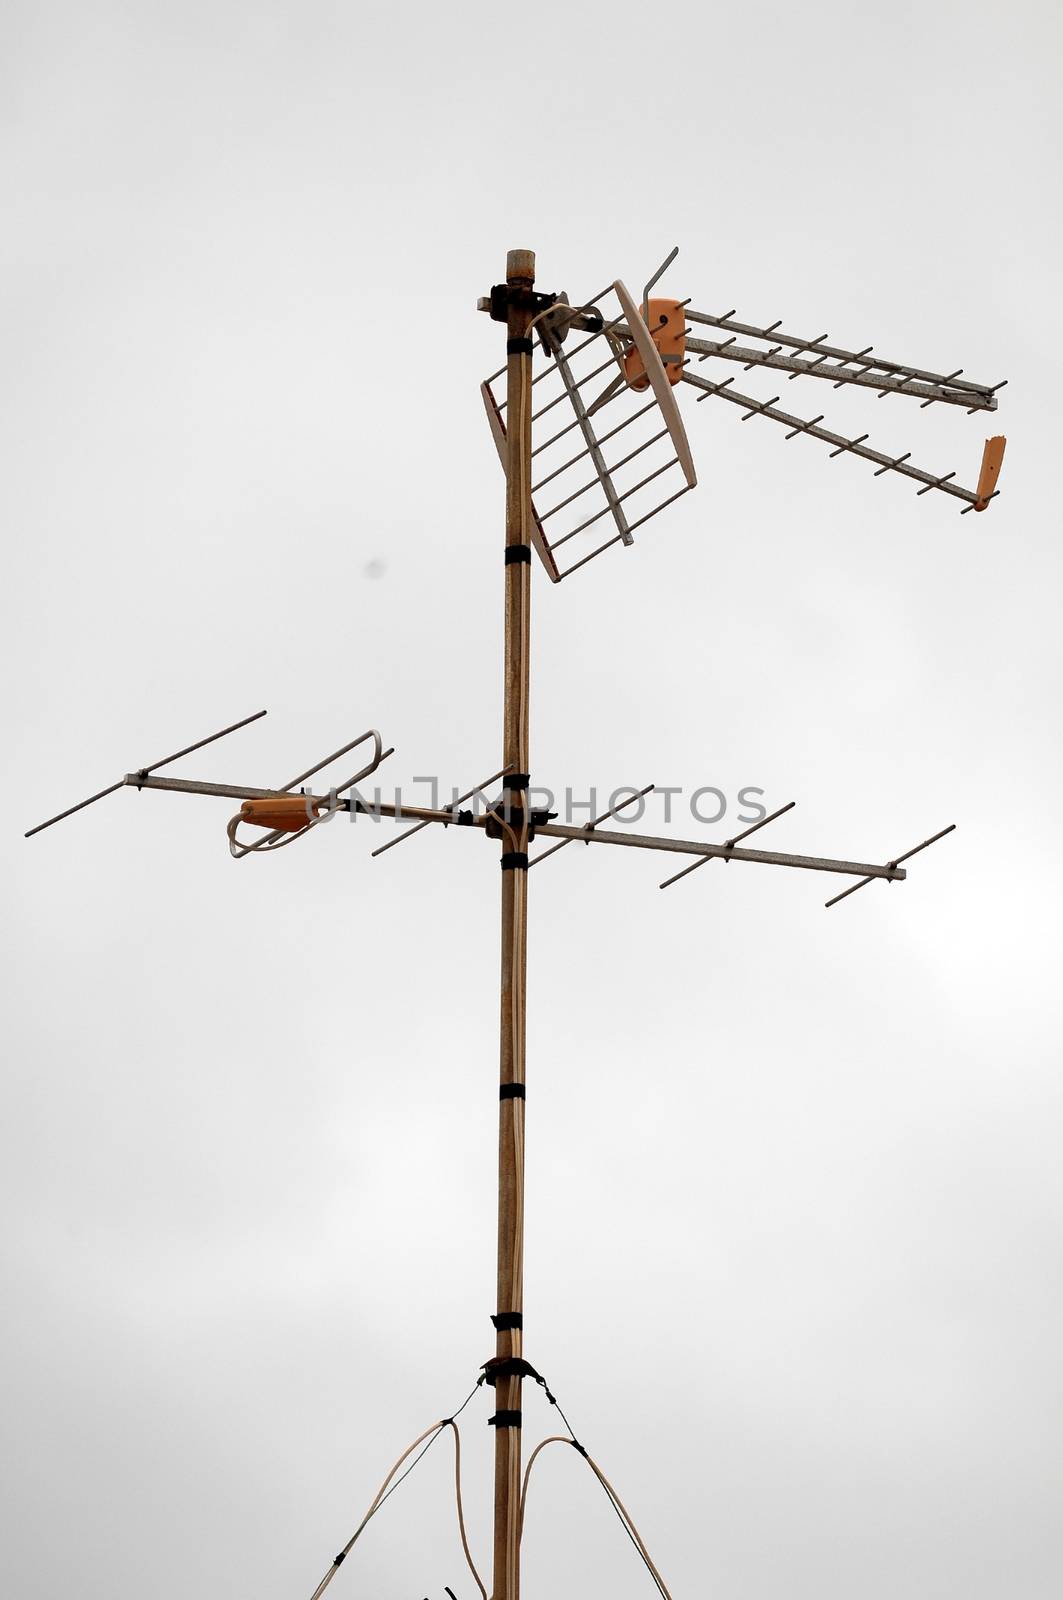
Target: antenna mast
[509, 1311]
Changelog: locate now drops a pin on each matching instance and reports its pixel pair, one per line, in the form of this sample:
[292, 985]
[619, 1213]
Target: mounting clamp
[505, 295]
[509, 1367]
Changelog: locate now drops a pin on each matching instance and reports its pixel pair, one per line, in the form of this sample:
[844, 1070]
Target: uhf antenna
[648, 350]
[593, 442]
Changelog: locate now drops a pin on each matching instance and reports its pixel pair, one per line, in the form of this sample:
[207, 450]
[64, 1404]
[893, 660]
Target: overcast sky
[794, 1186]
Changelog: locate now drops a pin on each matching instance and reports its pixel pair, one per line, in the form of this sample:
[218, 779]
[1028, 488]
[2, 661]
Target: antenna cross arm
[981, 395]
[235, 791]
[690, 847]
[842, 445]
[865, 378]
[547, 830]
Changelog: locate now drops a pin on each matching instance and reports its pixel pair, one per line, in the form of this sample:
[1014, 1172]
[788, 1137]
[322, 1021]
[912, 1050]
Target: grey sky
[794, 1181]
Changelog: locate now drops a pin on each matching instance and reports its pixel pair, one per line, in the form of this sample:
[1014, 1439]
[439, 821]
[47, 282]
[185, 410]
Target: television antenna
[621, 373]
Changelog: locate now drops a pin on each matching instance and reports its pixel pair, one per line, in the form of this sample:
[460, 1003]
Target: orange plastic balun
[281, 813]
[667, 326]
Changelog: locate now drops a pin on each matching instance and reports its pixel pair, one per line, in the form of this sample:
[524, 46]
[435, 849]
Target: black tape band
[517, 554]
[508, 1321]
[504, 1419]
[341, 1557]
[515, 860]
[517, 780]
[511, 1091]
[519, 347]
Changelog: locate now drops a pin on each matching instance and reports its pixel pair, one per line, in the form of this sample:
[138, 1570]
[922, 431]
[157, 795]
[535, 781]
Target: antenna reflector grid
[606, 456]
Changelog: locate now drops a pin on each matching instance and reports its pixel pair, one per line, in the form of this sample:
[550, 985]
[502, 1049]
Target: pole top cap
[520, 264]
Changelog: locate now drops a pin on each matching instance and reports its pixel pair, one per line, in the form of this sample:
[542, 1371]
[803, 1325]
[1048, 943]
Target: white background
[794, 1184]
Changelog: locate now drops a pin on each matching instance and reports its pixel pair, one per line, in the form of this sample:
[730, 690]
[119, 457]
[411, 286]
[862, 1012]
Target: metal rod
[69, 812]
[963, 513]
[933, 398]
[232, 728]
[896, 463]
[614, 811]
[991, 391]
[572, 388]
[571, 462]
[690, 847]
[980, 393]
[187, 751]
[729, 844]
[573, 384]
[906, 857]
[584, 559]
[713, 388]
[756, 362]
[620, 498]
[342, 751]
[853, 444]
[897, 388]
[795, 431]
[812, 343]
[939, 483]
[561, 433]
[763, 405]
[657, 276]
[847, 892]
[609, 470]
[864, 377]
[934, 837]
[859, 356]
[222, 791]
[632, 526]
[243, 791]
[453, 806]
[556, 830]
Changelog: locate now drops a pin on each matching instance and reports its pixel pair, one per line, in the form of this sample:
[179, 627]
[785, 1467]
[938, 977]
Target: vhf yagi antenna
[592, 442]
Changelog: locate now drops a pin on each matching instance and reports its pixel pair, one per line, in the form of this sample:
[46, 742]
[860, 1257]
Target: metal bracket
[657, 276]
[505, 295]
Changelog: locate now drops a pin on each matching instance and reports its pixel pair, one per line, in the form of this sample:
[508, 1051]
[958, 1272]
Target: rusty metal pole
[520, 277]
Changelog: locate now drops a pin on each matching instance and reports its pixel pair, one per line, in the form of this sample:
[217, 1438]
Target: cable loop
[387, 1488]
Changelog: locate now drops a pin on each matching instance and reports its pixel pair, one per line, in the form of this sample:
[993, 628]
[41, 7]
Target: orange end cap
[992, 458]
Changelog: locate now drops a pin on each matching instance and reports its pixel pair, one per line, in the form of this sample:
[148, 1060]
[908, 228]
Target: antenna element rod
[143, 772]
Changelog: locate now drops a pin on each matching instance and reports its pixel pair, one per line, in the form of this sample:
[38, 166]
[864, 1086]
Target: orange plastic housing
[667, 326]
[281, 813]
[992, 456]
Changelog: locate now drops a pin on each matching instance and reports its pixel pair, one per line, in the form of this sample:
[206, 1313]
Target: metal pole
[520, 276]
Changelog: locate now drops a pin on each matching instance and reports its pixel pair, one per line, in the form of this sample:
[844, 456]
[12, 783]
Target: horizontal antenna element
[143, 772]
[452, 807]
[640, 794]
[843, 446]
[906, 856]
[977, 396]
[730, 844]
